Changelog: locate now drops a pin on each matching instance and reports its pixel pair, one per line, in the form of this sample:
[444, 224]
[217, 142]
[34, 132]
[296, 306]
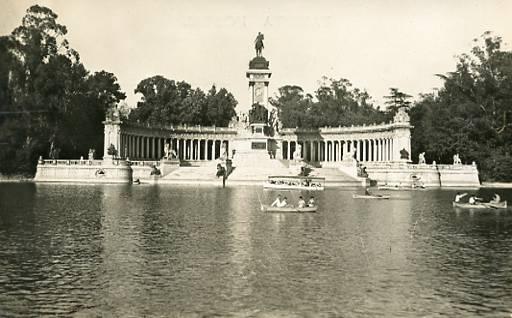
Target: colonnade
[138, 147]
[380, 149]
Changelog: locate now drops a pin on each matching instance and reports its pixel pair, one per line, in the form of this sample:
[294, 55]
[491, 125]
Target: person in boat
[284, 203]
[301, 203]
[496, 199]
[311, 202]
[459, 196]
[277, 201]
[474, 199]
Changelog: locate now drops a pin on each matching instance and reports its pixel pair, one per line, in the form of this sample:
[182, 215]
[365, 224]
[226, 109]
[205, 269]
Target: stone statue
[51, 153]
[258, 44]
[297, 154]
[91, 154]
[401, 116]
[456, 159]
[166, 151]
[404, 154]
[421, 158]
[353, 154]
[223, 152]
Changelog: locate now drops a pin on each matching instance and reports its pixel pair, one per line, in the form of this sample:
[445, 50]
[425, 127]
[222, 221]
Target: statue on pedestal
[456, 159]
[258, 44]
[353, 154]
[169, 153]
[91, 154]
[166, 151]
[421, 158]
[297, 154]
[404, 154]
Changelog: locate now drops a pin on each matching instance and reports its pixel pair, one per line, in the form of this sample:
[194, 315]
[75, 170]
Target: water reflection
[151, 251]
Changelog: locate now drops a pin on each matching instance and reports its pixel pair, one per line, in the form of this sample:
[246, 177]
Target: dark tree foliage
[335, 104]
[167, 102]
[471, 114]
[397, 99]
[47, 96]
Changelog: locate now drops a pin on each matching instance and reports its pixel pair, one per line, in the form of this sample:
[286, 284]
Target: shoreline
[504, 185]
[15, 178]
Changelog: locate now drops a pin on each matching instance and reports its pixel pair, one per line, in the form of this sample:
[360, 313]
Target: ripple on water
[154, 251]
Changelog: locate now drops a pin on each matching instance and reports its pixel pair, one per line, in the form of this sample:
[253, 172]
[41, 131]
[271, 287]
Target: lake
[134, 251]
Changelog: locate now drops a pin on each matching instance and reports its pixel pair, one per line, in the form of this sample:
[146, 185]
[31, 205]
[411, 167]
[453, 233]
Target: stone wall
[405, 174]
[83, 171]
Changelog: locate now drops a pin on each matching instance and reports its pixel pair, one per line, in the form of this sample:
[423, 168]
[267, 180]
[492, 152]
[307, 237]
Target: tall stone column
[364, 150]
[178, 148]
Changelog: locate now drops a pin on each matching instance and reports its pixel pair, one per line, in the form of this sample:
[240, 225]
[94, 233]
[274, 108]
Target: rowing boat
[364, 196]
[290, 209]
[481, 205]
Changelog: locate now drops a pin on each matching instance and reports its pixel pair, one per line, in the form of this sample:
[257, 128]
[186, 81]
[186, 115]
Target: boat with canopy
[295, 183]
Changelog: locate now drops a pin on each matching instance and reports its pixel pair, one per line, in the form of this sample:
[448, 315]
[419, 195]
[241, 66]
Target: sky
[376, 44]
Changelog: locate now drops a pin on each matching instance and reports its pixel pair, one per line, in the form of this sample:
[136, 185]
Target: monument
[254, 141]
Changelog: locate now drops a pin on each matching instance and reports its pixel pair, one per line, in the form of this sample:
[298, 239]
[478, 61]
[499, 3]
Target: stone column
[385, 149]
[364, 150]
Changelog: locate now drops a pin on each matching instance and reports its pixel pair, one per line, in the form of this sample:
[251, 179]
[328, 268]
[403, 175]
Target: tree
[396, 100]
[167, 102]
[471, 113]
[49, 96]
[337, 104]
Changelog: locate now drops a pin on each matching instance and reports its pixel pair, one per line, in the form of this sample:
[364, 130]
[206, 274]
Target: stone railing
[184, 128]
[79, 162]
[345, 129]
[144, 163]
[409, 165]
[68, 162]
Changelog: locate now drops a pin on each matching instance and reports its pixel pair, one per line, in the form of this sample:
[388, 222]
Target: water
[134, 251]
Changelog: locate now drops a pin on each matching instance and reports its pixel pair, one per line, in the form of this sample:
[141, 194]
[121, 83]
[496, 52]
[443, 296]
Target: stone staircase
[254, 171]
[257, 169]
[334, 177]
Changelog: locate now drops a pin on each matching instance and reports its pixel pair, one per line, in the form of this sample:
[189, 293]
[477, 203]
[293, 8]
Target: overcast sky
[375, 44]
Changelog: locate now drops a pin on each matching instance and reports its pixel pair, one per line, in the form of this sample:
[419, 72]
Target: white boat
[481, 205]
[372, 196]
[288, 209]
[295, 183]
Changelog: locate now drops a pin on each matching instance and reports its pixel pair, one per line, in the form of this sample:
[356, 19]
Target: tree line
[471, 114]
[49, 100]
[52, 106]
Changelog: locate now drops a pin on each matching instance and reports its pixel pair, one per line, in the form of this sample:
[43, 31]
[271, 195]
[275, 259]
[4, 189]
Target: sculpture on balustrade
[112, 151]
[404, 154]
[456, 159]
[91, 153]
[54, 151]
[401, 116]
[421, 158]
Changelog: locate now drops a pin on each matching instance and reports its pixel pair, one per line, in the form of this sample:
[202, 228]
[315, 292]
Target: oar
[259, 199]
